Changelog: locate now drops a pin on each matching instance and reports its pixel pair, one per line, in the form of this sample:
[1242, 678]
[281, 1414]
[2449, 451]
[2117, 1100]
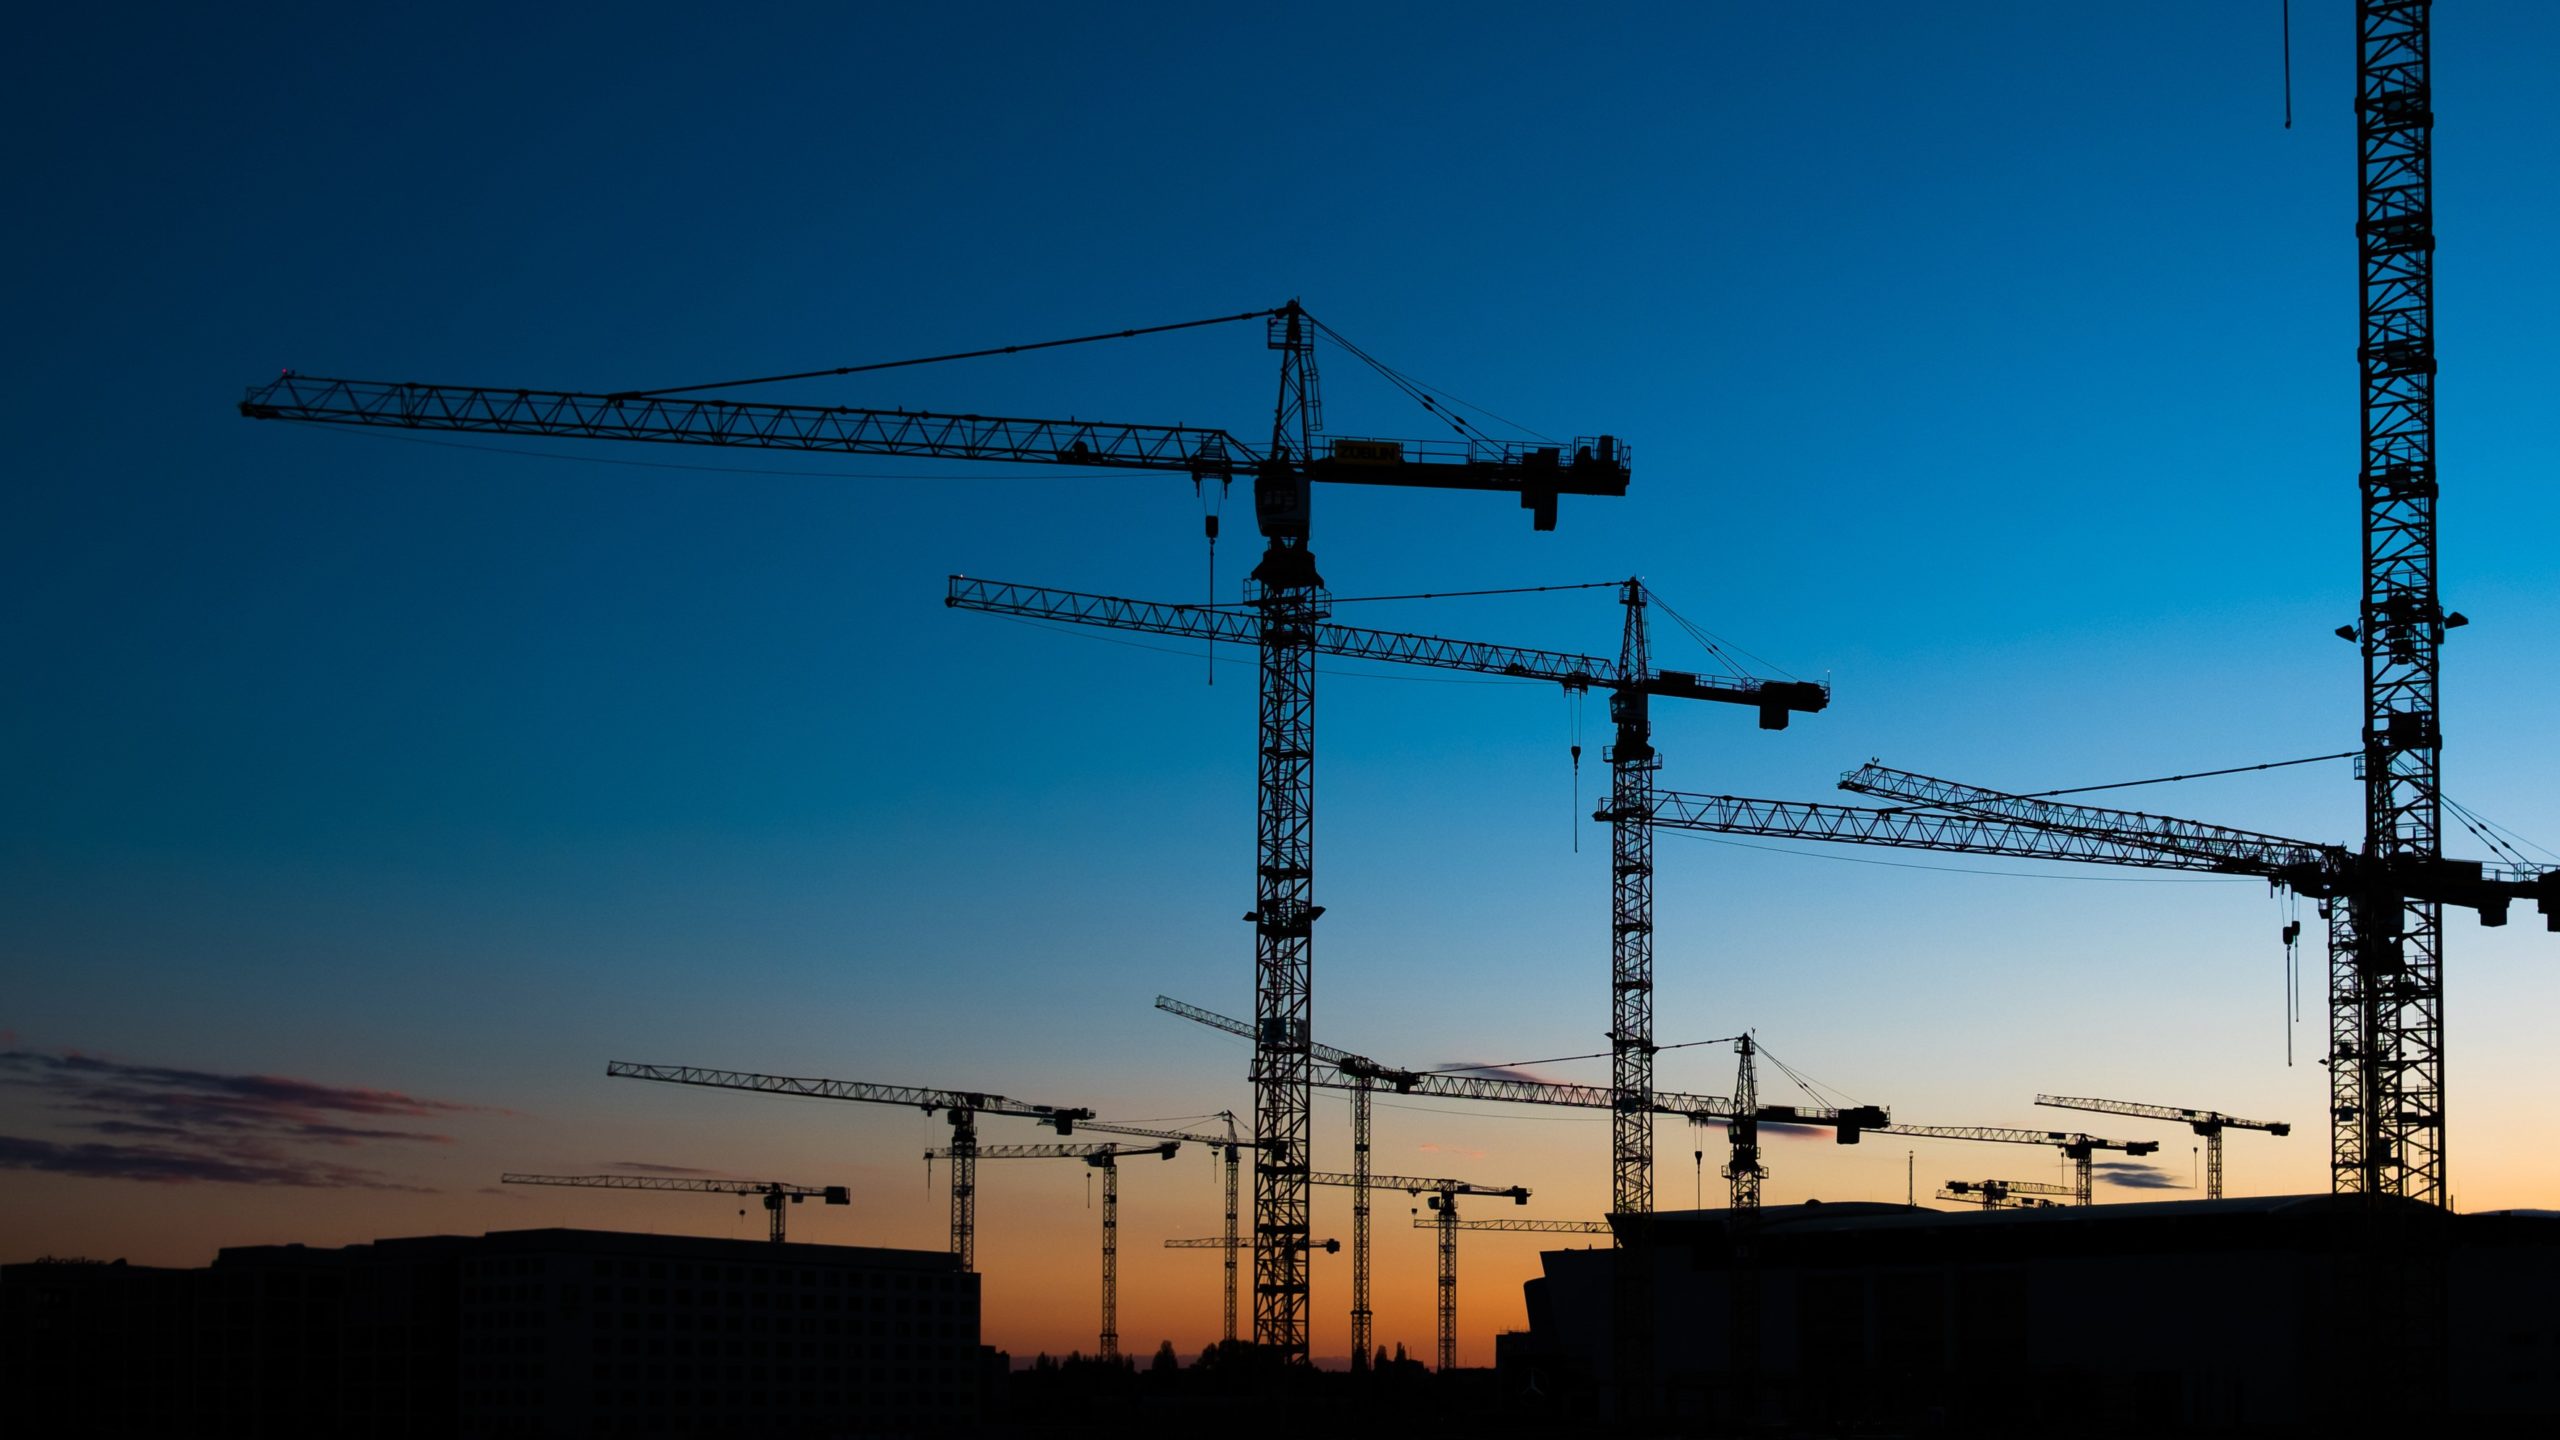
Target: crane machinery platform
[774, 1192]
[1287, 603]
[1106, 1158]
[2007, 1194]
[2208, 1123]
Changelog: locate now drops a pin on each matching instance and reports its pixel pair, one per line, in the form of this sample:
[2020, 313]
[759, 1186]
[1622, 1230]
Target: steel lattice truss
[2386, 992]
[774, 1192]
[1633, 763]
[1284, 915]
[1361, 1087]
[669, 1182]
[1472, 464]
[1524, 1227]
[1242, 626]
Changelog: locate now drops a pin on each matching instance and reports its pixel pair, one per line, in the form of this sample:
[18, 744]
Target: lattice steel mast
[2386, 968]
[1289, 599]
[1744, 1169]
[1632, 766]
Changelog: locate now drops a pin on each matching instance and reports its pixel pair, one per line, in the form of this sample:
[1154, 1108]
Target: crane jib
[1538, 473]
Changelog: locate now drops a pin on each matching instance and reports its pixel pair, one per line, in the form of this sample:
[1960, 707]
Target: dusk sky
[362, 795]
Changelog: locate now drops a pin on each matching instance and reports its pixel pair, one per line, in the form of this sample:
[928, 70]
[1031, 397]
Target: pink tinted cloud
[176, 1125]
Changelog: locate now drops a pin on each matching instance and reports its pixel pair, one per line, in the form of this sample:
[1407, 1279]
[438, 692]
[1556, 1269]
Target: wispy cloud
[171, 1165]
[1771, 1131]
[2133, 1175]
[1468, 1069]
[174, 1126]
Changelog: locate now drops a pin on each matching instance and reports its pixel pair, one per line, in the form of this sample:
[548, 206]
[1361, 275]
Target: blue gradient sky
[1994, 361]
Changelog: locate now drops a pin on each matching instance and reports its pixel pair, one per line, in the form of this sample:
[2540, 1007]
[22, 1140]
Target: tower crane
[1226, 1245]
[2385, 1133]
[1288, 600]
[775, 1192]
[2075, 1148]
[2208, 1123]
[1226, 1148]
[1442, 1196]
[1105, 1158]
[1284, 918]
[1447, 1223]
[1997, 1194]
[963, 1106]
[1362, 1077]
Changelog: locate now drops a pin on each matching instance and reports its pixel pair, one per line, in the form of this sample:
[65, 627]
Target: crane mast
[1632, 767]
[2386, 994]
[1744, 1169]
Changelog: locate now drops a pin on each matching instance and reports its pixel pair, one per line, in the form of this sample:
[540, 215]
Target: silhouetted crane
[2076, 1148]
[1287, 851]
[1447, 1223]
[1105, 1158]
[2208, 1123]
[963, 1106]
[1967, 819]
[2001, 1194]
[1362, 1077]
[1442, 1196]
[1288, 601]
[775, 1192]
[1227, 1245]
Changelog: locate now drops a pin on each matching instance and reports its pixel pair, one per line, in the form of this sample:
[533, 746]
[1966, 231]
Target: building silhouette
[2227, 1316]
[520, 1332]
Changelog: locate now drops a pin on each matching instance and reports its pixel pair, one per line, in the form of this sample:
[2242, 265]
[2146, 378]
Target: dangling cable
[1209, 527]
[1573, 710]
[2288, 64]
[2292, 976]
